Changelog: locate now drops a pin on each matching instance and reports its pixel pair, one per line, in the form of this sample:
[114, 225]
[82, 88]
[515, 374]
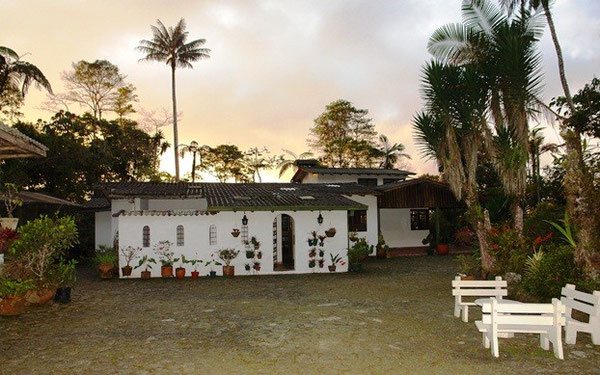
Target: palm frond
[481, 16]
[449, 43]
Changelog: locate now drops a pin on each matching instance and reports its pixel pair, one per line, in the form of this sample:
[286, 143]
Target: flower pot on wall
[249, 254]
[235, 232]
[9, 222]
[331, 268]
[212, 274]
[106, 271]
[442, 249]
[166, 271]
[145, 274]
[11, 305]
[259, 255]
[180, 272]
[195, 274]
[228, 271]
[330, 232]
[126, 271]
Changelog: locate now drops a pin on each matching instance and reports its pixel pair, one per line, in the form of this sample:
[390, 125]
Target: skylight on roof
[307, 197]
[241, 198]
[288, 188]
[332, 185]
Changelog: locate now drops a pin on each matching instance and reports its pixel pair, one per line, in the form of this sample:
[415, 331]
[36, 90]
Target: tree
[18, 75]
[82, 152]
[452, 132]
[95, 85]
[390, 152]
[580, 191]
[11, 101]
[505, 51]
[284, 164]
[170, 46]
[343, 135]
[122, 105]
[257, 159]
[226, 162]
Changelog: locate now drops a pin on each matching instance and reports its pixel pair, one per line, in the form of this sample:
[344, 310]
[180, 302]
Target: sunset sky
[274, 64]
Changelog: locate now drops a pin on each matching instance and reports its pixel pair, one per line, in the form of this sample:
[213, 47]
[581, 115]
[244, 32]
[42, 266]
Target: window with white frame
[146, 236]
[180, 235]
[212, 235]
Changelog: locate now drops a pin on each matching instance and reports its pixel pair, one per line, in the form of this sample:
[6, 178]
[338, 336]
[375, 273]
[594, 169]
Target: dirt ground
[394, 318]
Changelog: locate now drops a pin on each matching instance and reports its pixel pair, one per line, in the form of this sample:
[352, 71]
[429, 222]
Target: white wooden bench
[477, 289]
[541, 318]
[585, 303]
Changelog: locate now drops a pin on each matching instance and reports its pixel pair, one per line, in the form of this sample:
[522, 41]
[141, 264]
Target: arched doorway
[283, 243]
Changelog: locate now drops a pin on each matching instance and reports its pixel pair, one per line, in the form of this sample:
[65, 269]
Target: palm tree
[390, 153]
[171, 47]
[505, 51]
[18, 75]
[292, 162]
[452, 131]
[193, 149]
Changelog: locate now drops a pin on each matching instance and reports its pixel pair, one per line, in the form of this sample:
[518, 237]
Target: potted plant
[259, 255]
[228, 255]
[193, 262]
[311, 263]
[129, 254]
[249, 254]
[330, 232]
[180, 271]
[166, 257]
[313, 240]
[321, 253]
[322, 240]
[255, 242]
[145, 262]
[11, 201]
[7, 237]
[247, 267]
[358, 252]
[321, 262]
[106, 259]
[353, 236]
[256, 266]
[210, 263]
[312, 253]
[381, 247]
[11, 295]
[335, 260]
[235, 232]
[65, 279]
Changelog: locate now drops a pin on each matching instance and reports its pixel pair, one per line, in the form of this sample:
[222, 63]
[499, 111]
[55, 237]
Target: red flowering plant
[464, 237]
[7, 237]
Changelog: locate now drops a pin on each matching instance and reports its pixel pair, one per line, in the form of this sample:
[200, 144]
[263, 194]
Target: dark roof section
[15, 144]
[276, 197]
[151, 189]
[415, 193]
[303, 171]
[30, 197]
[248, 196]
[97, 204]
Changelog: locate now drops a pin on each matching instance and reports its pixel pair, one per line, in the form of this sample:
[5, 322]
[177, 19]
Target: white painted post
[595, 324]
[494, 328]
[557, 329]
[498, 288]
[570, 330]
[457, 300]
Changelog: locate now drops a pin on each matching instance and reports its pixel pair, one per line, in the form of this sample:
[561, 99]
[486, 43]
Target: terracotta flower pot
[228, 270]
[126, 271]
[442, 249]
[330, 232]
[145, 274]
[256, 247]
[259, 255]
[331, 268]
[195, 274]
[40, 296]
[106, 271]
[11, 305]
[256, 267]
[381, 253]
[180, 272]
[321, 264]
[166, 271]
[235, 232]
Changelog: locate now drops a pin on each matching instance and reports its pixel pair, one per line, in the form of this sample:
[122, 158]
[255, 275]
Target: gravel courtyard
[394, 318]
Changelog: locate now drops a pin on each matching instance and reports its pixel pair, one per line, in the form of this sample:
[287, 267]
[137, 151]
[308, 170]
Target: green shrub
[63, 274]
[470, 265]
[106, 257]
[510, 251]
[549, 269]
[359, 251]
[535, 224]
[10, 287]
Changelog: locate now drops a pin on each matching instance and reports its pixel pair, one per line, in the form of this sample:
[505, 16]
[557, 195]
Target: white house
[199, 218]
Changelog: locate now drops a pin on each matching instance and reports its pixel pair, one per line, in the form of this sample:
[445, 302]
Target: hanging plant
[247, 266]
[257, 266]
[259, 255]
[321, 263]
[311, 263]
[322, 240]
[312, 253]
[235, 232]
[321, 253]
[330, 232]
[249, 254]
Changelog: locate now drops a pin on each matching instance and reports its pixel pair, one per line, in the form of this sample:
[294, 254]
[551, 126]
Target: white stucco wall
[260, 225]
[395, 227]
[177, 204]
[372, 221]
[103, 232]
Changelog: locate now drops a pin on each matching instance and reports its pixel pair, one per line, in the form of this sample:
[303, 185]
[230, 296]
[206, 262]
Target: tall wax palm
[169, 45]
[18, 74]
[505, 51]
[580, 192]
[390, 152]
[290, 163]
[452, 130]
[536, 148]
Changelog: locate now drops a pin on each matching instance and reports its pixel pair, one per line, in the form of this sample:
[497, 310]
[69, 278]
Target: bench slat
[522, 308]
[574, 304]
[478, 283]
[576, 294]
[479, 292]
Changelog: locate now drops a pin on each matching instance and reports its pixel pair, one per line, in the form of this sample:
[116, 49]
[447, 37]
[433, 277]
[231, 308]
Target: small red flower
[538, 240]
[496, 247]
